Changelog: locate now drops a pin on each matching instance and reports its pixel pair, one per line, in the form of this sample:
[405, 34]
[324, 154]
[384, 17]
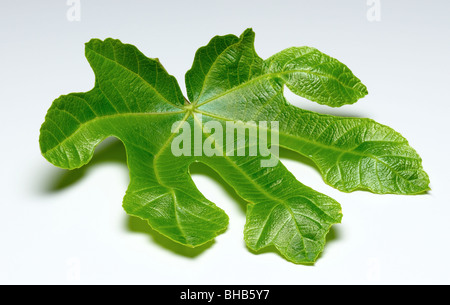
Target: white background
[69, 228]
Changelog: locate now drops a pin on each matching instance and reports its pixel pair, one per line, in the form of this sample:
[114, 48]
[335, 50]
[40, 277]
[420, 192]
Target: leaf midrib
[269, 196]
[212, 115]
[335, 148]
[106, 117]
[211, 68]
[271, 75]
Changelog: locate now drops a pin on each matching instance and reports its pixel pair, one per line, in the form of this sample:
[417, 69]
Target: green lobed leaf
[137, 101]
[316, 76]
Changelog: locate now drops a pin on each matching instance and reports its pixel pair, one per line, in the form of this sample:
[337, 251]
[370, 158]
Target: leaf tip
[248, 34]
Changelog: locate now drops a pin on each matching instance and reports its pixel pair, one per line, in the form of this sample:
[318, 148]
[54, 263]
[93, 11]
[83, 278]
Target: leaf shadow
[112, 150]
[137, 225]
[344, 111]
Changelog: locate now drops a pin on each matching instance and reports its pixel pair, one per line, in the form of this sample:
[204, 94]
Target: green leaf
[137, 101]
[316, 76]
[355, 154]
